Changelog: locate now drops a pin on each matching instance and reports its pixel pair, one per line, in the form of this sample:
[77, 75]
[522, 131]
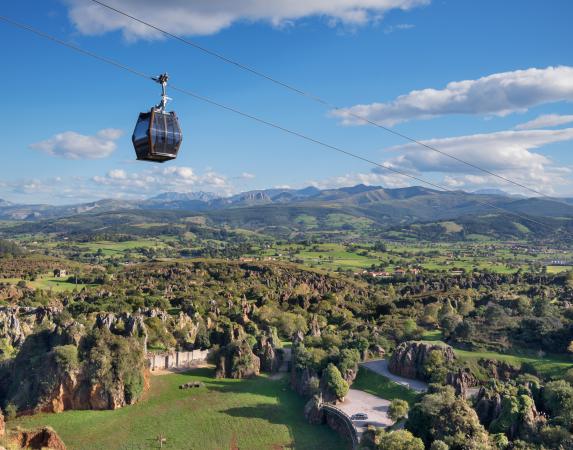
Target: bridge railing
[353, 433]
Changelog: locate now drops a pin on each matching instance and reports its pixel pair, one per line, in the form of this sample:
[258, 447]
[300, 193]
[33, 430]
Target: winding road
[380, 366]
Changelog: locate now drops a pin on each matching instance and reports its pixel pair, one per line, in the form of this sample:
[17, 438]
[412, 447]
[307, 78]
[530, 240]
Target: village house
[60, 273]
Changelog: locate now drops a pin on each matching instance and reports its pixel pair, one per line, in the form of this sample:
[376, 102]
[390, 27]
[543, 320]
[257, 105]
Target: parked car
[359, 416]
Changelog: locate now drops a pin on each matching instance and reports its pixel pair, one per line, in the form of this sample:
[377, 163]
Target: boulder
[409, 358]
[44, 438]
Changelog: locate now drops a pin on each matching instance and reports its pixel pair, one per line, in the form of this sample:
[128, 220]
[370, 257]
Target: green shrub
[335, 382]
[66, 356]
[398, 409]
[10, 412]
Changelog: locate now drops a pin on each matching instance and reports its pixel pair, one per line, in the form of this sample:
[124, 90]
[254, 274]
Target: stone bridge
[348, 426]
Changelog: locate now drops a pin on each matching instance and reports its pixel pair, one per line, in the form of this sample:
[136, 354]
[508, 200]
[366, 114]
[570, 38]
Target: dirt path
[287, 356]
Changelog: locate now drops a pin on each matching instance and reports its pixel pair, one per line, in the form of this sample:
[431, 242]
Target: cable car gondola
[157, 135]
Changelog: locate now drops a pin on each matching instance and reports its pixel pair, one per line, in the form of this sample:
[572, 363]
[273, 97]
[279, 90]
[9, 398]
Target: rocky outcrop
[266, 350]
[313, 411]
[304, 381]
[509, 410]
[462, 381]
[2, 425]
[237, 360]
[499, 370]
[377, 351]
[16, 323]
[44, 438]
[47, 374]
[409, 358]
[487, 406]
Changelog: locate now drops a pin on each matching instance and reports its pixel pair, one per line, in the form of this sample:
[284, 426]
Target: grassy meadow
[249, 414]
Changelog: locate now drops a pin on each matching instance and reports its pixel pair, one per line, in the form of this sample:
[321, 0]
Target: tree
[335, 382]
[444, 416]
[399, 440]
[439, 445]
[398, 409]
[558, 398]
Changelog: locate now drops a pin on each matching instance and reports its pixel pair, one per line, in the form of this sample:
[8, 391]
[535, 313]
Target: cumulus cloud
[499, 94]
[546, 121]
[160, 179]
[72, 145]
[203, 17]
[373, 178]
[507, 153]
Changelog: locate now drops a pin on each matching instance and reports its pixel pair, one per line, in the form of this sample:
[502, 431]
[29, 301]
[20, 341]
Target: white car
[359, 416]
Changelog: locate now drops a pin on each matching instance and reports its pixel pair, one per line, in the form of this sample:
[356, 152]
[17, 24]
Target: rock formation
[499, 370]
[508, 409]
[462, 380]
[44, 438]
[313, 412]
[409, 358]
[237, 360]
[266, 350]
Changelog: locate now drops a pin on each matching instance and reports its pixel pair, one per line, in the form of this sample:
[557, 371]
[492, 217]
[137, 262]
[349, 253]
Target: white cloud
[507, 153]
[374, 178]
[203, 17]
[161, 179]
[545, 121]
[400, 27]
[72, 145]
[498, 94]
[117, 174]
[248, 176]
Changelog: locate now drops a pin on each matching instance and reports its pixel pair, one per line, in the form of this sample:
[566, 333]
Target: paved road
[380, 366]
[361, 402]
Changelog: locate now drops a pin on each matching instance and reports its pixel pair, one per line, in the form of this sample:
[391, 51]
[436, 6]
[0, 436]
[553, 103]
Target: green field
[47, 282]
[248, 414]
[113, 248]
[547, 365]
[379, 385]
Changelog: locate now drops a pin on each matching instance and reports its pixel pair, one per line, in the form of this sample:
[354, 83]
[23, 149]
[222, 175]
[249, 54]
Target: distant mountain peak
[185, 196]
[491, 191]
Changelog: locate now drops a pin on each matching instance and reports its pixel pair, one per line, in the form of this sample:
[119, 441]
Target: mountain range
[388, 206]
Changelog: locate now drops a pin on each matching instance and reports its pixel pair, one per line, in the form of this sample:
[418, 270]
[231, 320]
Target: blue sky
[488, 81]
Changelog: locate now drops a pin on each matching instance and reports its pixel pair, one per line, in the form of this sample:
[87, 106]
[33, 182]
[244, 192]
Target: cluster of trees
[9, 249]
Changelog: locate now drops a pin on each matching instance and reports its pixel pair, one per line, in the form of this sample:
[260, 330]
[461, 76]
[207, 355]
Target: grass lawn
[379, 385]
[47, 282]
[551, 366]
[247, 414]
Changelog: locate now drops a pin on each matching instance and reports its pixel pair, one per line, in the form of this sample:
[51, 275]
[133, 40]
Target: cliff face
[61, 364]
[18, 322]
[410, 358]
